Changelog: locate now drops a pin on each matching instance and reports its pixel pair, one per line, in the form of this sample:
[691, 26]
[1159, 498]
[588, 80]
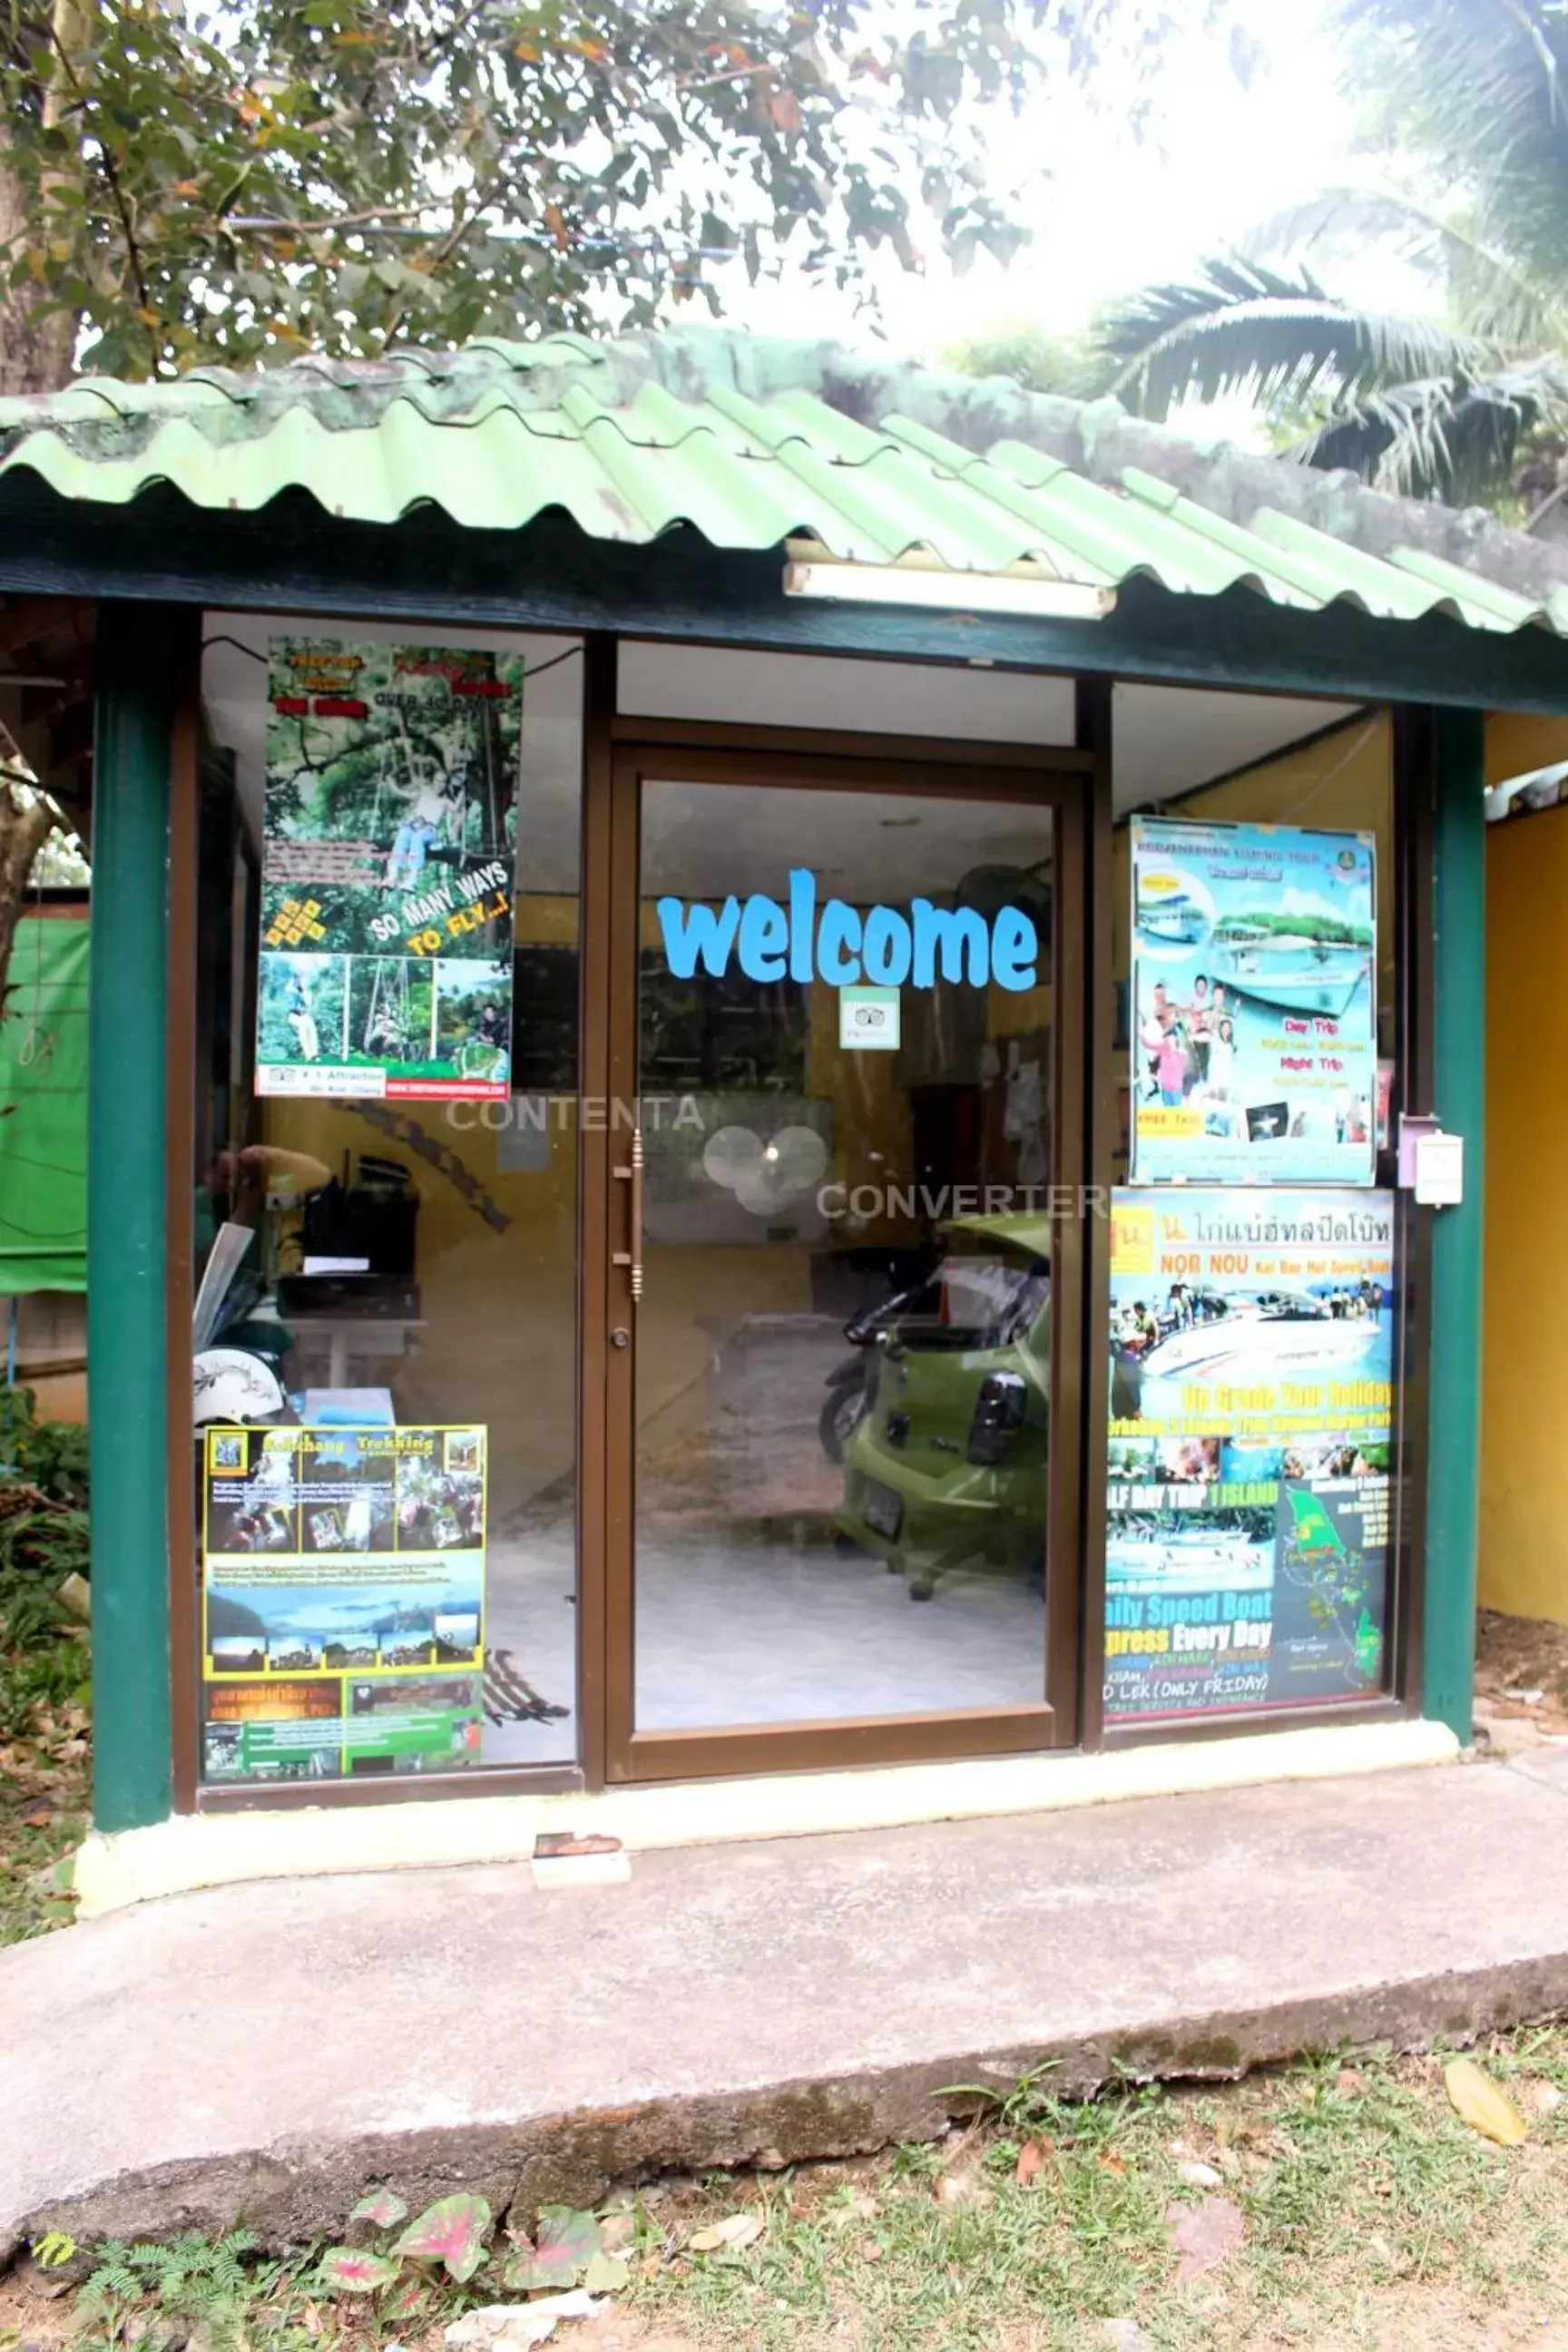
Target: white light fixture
[1030, 595]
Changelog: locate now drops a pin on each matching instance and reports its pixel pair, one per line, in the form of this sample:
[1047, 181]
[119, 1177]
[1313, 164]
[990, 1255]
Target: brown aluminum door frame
[988, 773]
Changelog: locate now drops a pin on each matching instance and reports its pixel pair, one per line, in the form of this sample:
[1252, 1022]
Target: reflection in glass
[392, 1278]
[842, 1348]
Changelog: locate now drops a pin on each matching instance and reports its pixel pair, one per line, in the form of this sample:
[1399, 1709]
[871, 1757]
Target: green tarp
[43, 1109]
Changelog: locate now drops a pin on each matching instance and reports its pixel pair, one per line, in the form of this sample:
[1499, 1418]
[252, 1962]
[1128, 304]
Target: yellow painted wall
[1523, 1532]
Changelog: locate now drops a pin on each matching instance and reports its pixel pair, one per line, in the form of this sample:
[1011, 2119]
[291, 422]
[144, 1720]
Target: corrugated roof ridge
[104, 419]
[1357, 572]
[1097, 439]
[1081, 515]
[320, 379]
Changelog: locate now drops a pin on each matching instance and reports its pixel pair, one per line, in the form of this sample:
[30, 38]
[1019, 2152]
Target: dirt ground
[1521, 1673]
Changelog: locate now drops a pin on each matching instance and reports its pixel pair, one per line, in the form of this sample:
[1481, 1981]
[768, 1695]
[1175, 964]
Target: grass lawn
[1325, 2206]
[1348, 2205]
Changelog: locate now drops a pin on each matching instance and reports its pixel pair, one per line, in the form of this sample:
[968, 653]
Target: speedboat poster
[1249, 1454]
[1254, 978]
[386, 900]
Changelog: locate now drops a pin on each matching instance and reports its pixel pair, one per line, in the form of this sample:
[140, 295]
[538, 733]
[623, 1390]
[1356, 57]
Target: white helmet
[232, 1385]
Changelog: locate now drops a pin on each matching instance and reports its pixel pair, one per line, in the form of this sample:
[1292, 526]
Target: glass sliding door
[835, 1216]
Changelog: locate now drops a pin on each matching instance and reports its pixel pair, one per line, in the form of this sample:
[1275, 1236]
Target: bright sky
[1110, 215]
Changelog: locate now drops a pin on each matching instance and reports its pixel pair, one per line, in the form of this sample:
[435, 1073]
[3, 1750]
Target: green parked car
[947, 1470]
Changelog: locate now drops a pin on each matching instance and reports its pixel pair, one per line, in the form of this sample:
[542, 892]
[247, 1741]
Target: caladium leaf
[411, 2293]
[351, 2271]
[382, 2206]
[564, 2244]
[451, 2232]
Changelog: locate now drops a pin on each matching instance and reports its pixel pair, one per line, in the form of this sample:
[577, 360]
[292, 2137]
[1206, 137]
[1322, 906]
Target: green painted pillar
[125, 1217]
[1458, 1097]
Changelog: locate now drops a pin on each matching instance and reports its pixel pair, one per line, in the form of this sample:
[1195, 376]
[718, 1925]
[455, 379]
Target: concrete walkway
[262, 2051]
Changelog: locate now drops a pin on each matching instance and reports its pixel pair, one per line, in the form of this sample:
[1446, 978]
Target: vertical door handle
[632, 1257]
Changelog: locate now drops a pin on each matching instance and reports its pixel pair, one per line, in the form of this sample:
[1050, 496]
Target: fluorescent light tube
[950, 592]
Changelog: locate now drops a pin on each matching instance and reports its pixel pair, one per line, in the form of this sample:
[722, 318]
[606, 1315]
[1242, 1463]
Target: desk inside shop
[307, 1306]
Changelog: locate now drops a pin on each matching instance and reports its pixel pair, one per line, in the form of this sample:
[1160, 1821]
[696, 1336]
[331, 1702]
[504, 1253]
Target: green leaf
[382, 2207]
[279, 120]
[349, 2270]
[452, 2233]
[565, 2242]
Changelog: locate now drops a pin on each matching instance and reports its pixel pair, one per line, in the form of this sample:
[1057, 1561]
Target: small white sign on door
[868, 1020]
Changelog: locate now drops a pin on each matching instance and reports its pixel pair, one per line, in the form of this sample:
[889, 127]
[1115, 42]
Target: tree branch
[278, 225]
[484, 198]
[132, 250]
[24, 827]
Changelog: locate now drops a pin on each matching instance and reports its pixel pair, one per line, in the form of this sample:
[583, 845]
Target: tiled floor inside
[735, 1629]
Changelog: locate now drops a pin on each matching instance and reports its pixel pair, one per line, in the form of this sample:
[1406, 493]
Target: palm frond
[1243, 327]
[1451, 438]
[1478, 90]
[1488, 294]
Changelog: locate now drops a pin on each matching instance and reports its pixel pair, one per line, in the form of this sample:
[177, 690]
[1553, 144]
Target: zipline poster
[343, 1631]
[387, 899]
[1251, 1421]
[1254, 1031]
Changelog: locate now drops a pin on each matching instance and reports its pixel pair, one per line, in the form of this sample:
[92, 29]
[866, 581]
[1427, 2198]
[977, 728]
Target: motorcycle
[852, 1384]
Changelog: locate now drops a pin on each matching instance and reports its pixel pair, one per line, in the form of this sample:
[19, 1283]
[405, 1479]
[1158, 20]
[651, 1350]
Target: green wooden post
[1453, 1477]
[125, 1218]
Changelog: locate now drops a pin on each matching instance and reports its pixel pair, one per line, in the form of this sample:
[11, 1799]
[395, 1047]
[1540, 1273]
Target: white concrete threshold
[192, 1850]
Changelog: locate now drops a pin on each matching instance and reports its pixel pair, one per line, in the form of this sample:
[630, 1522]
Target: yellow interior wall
[1523, 1535]
[1517, 742]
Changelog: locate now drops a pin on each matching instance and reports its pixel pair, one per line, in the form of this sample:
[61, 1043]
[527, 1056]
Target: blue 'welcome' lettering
[883, 945]
[693, 931]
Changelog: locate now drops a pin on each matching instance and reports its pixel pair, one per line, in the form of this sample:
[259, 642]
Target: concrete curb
[262, 2052]
[291, 2191]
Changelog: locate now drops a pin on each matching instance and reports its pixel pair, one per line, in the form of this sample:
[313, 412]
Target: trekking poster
[386, 883]
[1249, 1445]
[342, 1602]
[1254, 978]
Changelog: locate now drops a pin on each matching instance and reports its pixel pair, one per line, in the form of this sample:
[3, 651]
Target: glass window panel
[842, 1348]
[386, 1198]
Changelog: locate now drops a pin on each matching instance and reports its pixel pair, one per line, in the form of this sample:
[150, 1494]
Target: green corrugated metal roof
[751, 442]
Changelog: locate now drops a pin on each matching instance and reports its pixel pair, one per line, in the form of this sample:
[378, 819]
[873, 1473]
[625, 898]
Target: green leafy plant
[449, 2235]
[43, 1514]
[209, 2284]
[450, 2239]
[568, 2250]
[1464, 397]
[50, 1455]
[43, 1540]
